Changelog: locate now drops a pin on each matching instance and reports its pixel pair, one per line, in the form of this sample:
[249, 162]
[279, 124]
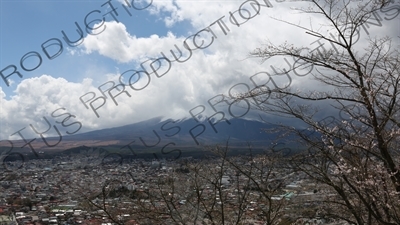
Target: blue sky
[79, 71]
[26, 25]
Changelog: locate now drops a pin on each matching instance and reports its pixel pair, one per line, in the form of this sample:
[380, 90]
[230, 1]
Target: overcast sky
[130, 41]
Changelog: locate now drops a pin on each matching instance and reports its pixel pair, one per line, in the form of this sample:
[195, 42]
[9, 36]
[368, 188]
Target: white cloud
[2, 94]
[207, 73]
[73, 51]
[199, 13]
[116, 43]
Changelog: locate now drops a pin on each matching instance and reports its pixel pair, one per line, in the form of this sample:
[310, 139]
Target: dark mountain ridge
[184, 131]
[164, 136]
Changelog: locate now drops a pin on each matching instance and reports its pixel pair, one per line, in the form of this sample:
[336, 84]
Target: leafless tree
[350, 119]
[219, 190]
